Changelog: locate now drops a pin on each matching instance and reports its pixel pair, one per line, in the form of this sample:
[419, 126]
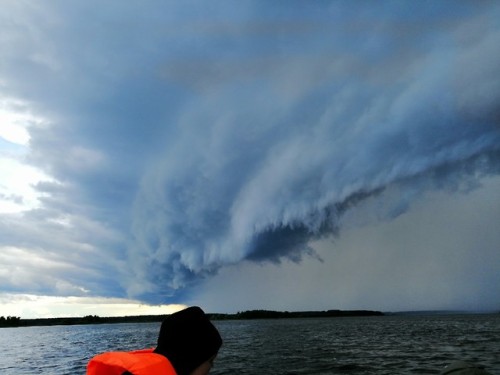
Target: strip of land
[250, 314]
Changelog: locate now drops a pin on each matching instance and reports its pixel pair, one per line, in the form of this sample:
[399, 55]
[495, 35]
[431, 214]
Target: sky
[248, 155]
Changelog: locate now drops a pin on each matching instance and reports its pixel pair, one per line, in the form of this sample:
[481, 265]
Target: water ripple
[358, 346]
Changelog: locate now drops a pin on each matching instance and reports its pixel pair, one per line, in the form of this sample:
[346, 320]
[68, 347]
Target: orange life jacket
[138, 362]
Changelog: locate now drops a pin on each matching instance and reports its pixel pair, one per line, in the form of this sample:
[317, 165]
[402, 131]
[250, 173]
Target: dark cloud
[262, 178]
[180, 143]
[442, 254]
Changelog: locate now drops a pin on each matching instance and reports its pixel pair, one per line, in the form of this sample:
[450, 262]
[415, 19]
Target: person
[190, 341]
[188, 344]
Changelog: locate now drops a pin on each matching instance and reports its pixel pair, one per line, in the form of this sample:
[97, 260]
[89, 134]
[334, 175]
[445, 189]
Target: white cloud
[12, 131]
[15, 121]
[17, 186]
[17, 178]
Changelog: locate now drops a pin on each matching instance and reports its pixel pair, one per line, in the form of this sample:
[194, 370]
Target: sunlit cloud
[28, 306]
[15, 121]
[17, 187]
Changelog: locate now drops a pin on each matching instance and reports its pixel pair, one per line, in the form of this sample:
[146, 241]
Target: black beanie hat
[188, 338]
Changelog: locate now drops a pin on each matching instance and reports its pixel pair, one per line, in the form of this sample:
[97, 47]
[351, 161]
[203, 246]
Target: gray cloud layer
[194, 142]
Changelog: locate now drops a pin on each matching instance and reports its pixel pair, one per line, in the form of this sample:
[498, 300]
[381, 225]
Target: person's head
[190, 341]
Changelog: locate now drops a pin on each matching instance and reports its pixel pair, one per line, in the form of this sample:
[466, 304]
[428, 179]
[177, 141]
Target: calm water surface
[369, 345]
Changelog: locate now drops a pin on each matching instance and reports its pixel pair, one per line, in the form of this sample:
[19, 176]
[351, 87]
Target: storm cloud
[258, 171]
[184, 138]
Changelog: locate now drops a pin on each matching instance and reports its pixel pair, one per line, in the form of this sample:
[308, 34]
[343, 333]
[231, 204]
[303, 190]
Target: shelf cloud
[174, 144]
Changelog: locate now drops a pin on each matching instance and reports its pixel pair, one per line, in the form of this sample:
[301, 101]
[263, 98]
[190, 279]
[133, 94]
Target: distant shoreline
[244, 315]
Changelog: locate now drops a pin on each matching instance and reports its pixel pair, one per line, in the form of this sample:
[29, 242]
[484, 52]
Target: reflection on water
[368, 345]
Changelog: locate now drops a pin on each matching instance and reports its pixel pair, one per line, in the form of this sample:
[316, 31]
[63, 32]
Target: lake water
[367, 345]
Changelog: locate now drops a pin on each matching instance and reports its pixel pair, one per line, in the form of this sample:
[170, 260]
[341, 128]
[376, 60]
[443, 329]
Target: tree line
[270, 314]
[10, 321]
[88, 319]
